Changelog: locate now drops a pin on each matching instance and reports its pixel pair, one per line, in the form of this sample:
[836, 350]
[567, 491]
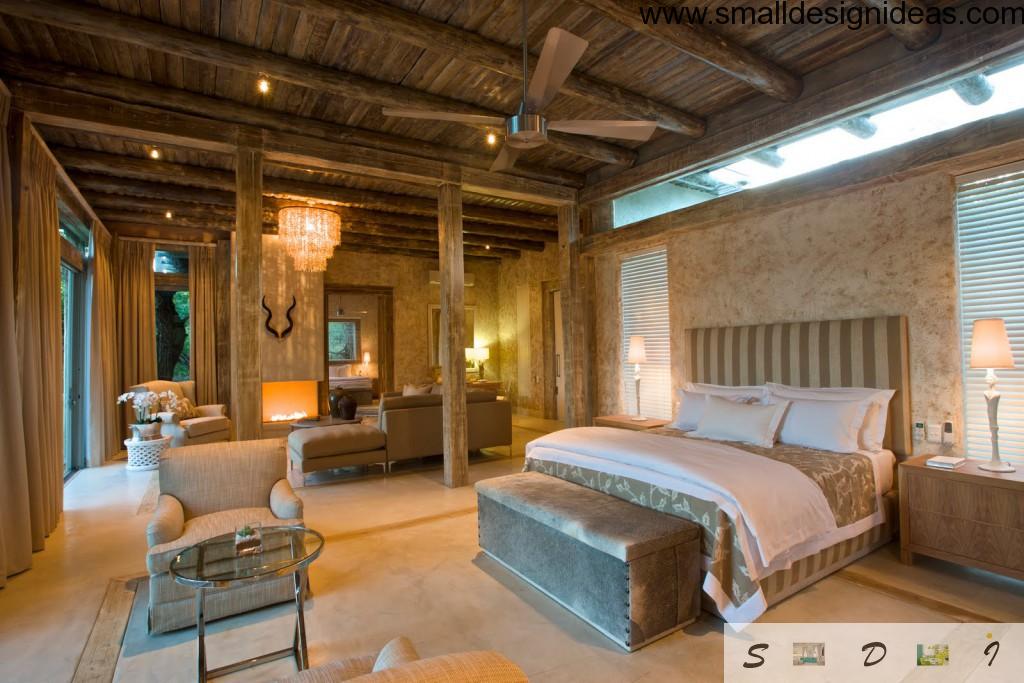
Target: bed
[774, 520]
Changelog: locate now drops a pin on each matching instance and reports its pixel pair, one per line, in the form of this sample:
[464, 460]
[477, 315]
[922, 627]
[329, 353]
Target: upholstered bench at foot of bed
[630, 572]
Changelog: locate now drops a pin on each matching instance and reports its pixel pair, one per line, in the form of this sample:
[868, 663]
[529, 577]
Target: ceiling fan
[528, 128]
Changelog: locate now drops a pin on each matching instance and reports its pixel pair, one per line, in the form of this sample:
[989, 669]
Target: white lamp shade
[483, 352]
[366, 357]
[990, 345]
[637, 350]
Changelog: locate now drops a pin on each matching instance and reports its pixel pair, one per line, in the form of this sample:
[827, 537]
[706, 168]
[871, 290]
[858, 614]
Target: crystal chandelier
[309, 235]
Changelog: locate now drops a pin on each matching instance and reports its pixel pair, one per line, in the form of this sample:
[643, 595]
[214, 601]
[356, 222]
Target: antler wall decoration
[270, 315]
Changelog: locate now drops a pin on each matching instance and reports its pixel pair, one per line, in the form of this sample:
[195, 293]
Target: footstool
[630, 572]
[327, 448]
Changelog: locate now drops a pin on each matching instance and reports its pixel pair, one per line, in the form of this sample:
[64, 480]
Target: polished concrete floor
[402, 558]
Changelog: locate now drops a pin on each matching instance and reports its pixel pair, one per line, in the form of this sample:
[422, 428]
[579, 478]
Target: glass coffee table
[215, 564]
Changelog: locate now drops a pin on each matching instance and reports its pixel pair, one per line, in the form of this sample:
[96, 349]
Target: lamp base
[638, 418]
[997, 467]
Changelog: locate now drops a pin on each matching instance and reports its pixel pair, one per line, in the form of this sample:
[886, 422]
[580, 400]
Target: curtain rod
[159, 241]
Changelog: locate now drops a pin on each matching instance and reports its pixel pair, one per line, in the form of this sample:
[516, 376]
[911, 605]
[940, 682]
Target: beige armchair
[398, 662]
[210, 426]
[206, 491]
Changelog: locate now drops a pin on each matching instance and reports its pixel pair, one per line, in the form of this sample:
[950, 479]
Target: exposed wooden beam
[215, 180]
[92, 114]
[575, 330]
[154, 232]
[849, 87]
[394, 23]
[971, 147]
[151, 35]
[398, 251]
[138, 92]
[712, 49]
[913, 35]
[98, 182]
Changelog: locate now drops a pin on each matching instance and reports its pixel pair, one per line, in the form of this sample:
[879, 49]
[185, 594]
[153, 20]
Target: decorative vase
[146, 431]
[348, 407]
[334, 401]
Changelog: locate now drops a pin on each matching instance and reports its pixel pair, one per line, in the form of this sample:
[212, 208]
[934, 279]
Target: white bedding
[782, 515]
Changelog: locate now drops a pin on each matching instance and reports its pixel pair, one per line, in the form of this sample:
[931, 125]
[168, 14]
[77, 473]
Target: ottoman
[630, 572]
[328, 448]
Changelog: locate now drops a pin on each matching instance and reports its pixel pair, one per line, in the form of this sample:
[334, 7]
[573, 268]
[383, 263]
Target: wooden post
[574, 317]
[222, 318]
[246, 390]
[453, 335]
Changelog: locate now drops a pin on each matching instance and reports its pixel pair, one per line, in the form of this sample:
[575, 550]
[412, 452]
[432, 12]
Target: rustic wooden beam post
[246, 390]
[574, 316]
[453, 335]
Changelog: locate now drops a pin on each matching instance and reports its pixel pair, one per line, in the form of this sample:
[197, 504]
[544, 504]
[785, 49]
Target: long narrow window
[990, 220]
[645, 315]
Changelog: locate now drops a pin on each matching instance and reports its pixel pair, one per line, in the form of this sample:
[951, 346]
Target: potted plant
[147, 423]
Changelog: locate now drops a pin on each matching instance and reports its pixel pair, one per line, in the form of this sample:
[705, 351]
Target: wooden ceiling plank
[913, 36]
[250, 60]
[408, 27]
[712, 49]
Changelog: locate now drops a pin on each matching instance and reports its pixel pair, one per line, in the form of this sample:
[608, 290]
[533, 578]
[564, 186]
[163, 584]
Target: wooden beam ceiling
[139, 92]
[914, 36]
[848, 87]
[712, 49]
[394, 23]
[104, 116]
[150, 35]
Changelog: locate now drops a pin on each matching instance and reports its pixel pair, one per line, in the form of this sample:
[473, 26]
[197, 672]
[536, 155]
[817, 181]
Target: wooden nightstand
[967, 515]
[627, 422]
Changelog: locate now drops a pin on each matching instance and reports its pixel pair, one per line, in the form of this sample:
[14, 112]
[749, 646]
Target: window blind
[990, 230]
[644, 291]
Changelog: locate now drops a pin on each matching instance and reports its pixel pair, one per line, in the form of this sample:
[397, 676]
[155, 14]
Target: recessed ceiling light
[263, 85]
[487, 247]
[168, 215]
[492, 139]
[154, 153]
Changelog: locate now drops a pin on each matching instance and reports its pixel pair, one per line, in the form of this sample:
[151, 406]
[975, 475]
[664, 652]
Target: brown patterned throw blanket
[846, 480]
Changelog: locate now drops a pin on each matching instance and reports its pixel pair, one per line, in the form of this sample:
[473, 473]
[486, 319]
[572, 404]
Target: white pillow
[826, 425]
[727, 420]
[872, 434]
[692, 402]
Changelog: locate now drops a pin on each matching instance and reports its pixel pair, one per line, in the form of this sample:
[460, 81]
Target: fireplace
[289, 401]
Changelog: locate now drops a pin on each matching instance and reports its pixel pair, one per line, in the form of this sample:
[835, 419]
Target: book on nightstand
[945, 462]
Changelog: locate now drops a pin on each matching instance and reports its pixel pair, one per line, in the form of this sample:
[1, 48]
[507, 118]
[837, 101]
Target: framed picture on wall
[343, 341]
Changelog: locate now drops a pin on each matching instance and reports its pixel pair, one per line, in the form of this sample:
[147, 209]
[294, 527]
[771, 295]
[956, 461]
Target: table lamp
[990, 349]
[637, 355]
[366, 361]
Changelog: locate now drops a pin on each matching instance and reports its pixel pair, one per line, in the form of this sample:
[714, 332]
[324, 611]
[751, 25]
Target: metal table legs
[298, 649]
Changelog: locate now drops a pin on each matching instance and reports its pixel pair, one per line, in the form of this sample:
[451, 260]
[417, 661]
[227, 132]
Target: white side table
[145, 455]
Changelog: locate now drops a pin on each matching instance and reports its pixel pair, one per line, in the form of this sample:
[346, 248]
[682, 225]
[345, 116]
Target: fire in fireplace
[288, 401]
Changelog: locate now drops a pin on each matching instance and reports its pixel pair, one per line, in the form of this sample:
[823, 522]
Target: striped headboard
[864, 352]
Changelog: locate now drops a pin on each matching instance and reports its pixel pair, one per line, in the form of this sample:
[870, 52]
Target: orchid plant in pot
[145, 404]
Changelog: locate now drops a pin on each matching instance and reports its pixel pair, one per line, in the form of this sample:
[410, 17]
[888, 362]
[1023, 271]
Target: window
[990, 227]
[644, 291]
[343, 341]
[74, 245]
[931, 111]
[173, 331]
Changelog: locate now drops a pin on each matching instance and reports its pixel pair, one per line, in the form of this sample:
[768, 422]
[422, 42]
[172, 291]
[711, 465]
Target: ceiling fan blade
[506, 159]
[559, 55]
[471, 119]
[623, 130]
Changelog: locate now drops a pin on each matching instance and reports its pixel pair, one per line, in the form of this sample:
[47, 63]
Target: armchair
[210, 426]
[209, 490]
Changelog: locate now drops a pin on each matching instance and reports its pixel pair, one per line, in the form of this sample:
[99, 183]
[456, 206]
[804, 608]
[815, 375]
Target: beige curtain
[101, 383]
[202, 283]
[15, 536]
[136, 312]
[38, 328]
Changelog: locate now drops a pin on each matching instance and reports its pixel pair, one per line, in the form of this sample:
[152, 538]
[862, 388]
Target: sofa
[414, 424]
[398, 662]
[210, 426]
[209, 490]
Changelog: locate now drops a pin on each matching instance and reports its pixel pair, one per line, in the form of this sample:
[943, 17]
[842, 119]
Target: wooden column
[574, 317]
[246, 389]
[222, 321]
[453, 335]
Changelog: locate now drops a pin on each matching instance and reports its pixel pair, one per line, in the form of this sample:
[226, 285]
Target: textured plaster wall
[881, 250]
[531, 271]
[299, 356]
[410, 279]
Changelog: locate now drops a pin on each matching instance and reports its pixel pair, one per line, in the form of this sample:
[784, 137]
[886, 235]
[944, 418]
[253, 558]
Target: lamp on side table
[990, 349]
[637, 355]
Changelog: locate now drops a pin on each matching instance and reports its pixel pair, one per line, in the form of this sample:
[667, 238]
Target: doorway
[359, 336]
[71, 305]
